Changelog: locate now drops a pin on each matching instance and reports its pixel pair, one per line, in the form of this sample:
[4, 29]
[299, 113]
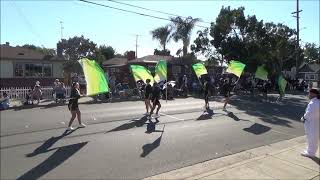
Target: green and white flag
[161, 71]
[141, 73]
[199, 69]
[95, 77]
[282, 83]
[261, 73]
[236, 68]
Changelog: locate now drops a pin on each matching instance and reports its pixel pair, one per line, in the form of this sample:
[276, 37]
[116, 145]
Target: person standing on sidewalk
[74, 107]
[147, 93]
[311, 120]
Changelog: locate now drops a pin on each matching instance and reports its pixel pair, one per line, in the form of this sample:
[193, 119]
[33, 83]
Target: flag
[236, 68]
[161, 71]
[282, 83]
[95, 77]
[141, 73]
[199, 69]
[261, 73]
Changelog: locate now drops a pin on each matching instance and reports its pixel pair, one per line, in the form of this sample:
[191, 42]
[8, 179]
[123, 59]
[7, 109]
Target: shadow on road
[56, 159]
[273, 113]
[148, 148]
[46, 145]
[257, 129]
[206, 115]
[134, 123]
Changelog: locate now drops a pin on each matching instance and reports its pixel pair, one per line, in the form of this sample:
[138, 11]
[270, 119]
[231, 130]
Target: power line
[152, 10]
[133, 12]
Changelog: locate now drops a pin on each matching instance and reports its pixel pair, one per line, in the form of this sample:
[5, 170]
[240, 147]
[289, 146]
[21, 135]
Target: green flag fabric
[282, 83]
[161, 71]
[236, 68]
[95, 77]
[199, 69]
[141, 73]
[261, 73]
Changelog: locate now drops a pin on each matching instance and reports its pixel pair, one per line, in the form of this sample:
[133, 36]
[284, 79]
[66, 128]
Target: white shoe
[70, 128]
[82, 125]
[305, 154]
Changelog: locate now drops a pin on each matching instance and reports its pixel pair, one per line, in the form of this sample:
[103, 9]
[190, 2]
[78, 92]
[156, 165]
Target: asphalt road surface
[115, 144]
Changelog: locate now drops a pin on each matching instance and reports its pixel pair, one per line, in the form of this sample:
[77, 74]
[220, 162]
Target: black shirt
[156, 92]
[74, 96]
[206, 88]
[147, 91]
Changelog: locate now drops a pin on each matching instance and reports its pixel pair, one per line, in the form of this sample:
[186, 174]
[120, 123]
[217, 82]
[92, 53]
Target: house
[177, 67]
[310, 73]
[22, 67]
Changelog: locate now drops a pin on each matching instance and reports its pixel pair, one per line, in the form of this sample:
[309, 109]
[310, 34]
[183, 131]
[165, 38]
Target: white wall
[57, 69]
[6, 69]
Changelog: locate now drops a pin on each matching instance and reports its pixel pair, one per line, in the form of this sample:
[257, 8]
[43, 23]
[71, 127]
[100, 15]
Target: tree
[311, 53]
[182, 31]
[162, 34]
[107, 51]
[236, 37]
[161, 53]
[77, 47]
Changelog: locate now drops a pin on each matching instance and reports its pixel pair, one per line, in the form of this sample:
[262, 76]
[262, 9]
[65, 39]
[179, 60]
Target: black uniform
[73, 102]
[156, 95]
[225, 89]
[147, 91]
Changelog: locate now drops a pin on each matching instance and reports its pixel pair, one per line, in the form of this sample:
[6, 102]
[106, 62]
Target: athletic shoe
[224, 109]
[70, 128]
[156, 115]
[82, 125]
[146, 114]
[305, 154]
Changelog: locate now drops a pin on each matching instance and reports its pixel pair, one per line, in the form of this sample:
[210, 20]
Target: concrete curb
[211, 167]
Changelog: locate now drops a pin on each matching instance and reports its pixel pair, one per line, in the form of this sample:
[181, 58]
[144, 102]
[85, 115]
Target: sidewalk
[280, 160]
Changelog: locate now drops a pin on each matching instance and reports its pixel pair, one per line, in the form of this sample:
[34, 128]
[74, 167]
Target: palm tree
[182, 30]
[162, 34]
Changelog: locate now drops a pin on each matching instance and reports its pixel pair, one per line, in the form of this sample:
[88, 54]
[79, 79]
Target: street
[115, 144]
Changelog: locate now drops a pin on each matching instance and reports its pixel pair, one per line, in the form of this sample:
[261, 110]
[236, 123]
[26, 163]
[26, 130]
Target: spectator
[4, 102]
[37, 93]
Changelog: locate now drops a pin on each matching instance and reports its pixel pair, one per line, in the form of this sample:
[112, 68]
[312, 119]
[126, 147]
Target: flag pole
[167, 91]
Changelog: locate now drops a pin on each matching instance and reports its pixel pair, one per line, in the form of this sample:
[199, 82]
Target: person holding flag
[155, 99]
[74, 107]
[206, 91]
[147, 96]
[225, 91]
[96, 84]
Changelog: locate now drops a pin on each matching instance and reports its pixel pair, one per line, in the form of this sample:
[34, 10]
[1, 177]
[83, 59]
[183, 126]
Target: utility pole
[298, 39]
[137, 45]
[61, 28]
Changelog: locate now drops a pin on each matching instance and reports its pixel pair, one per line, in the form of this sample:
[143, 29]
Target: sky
[38, 22]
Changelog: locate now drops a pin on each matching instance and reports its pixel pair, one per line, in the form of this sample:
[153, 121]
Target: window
[311, 77]
[34, 70]
[18, 70]
[47, 70]
[38, 70]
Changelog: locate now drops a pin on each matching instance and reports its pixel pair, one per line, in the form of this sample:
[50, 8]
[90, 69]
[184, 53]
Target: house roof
[19, 53]
[311, 67]
[151, 59]
[115, 61]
